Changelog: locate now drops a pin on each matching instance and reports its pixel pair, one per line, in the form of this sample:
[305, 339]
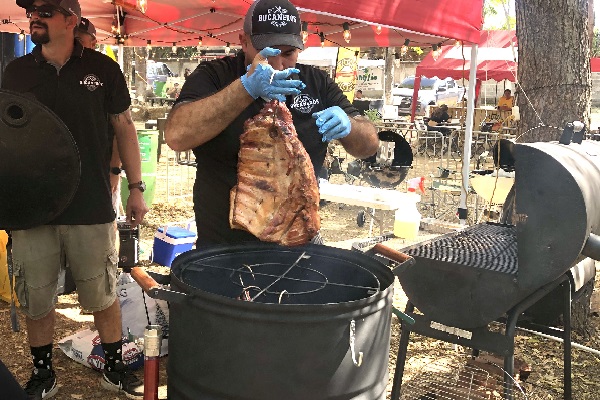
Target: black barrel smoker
[464, 280]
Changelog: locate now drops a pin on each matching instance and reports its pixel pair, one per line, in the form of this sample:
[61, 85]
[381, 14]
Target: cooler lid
[176, 232]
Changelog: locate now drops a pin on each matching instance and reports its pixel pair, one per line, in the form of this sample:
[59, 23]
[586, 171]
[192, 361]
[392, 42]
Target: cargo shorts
[40, 253]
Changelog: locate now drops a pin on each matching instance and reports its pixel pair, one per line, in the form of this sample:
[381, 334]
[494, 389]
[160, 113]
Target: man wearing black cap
[221, 95]
[86, 33]
[86, 90]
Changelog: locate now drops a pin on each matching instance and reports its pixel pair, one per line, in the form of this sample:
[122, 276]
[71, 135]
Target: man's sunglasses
[44, 11]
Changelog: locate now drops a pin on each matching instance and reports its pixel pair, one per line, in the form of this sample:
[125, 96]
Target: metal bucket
[327, 339]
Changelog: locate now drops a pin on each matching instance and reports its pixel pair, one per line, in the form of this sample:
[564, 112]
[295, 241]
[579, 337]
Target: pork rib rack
[276, 197]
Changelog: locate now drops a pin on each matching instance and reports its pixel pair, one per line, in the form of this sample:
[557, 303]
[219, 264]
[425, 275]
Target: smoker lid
[39, 163]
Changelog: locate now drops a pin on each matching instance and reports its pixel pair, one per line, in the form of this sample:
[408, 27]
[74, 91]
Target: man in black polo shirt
[221, 95]
[87, 91]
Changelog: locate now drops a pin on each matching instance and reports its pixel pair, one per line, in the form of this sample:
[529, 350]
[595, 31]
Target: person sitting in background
[506, 102]
[173, 92]
[360, 104]
[439, 116]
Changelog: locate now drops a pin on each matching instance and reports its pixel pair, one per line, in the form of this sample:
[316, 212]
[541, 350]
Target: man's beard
[40, 37]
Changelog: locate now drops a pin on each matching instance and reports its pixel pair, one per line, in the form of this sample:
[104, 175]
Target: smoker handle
[146, 282]
[591, 248]
[404, 260]
[153, 289]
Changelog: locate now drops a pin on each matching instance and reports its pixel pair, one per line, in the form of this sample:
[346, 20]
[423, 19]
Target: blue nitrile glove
[333, 123]
[269, 84]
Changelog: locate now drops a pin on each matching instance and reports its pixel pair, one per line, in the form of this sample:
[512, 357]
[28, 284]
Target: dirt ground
[172, 204]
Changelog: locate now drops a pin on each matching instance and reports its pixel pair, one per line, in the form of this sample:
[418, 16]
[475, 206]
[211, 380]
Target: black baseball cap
[273, 23]
[69, 6]
[86, 26]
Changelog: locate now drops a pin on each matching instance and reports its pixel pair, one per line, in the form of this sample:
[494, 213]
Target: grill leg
[567, 339]
[401, 357]
[509, 356]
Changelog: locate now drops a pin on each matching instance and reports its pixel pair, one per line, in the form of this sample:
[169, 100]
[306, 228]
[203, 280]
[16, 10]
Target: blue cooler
[169, 242]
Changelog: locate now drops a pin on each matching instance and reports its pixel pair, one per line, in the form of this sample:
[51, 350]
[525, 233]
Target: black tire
[361, 218]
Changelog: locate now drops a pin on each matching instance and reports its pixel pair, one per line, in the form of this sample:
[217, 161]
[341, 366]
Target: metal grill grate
[453, 379]
[488, 246]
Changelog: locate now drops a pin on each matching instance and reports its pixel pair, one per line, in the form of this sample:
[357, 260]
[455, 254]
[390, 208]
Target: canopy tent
[496, 59]
[595, 64]
[323, 57]
[183, 22]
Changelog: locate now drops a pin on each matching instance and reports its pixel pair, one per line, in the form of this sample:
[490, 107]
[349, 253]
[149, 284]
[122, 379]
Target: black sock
[113, 355]
[42, 356]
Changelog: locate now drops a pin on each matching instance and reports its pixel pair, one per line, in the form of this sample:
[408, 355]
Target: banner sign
[345, 71]
[369, 78]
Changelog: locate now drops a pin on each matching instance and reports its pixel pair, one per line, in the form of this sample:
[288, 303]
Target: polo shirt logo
[91, 82]
[278, 16]
[304, 103]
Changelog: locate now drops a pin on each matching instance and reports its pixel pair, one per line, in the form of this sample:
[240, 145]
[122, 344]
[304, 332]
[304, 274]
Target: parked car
[433, 91]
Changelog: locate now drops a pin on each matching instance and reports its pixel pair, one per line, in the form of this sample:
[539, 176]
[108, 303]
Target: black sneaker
[122, 379]
[41, 385]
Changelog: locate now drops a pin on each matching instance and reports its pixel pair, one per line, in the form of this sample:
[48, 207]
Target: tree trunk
[555, 80]
[388, 77]
[140, 73]
[554, 68]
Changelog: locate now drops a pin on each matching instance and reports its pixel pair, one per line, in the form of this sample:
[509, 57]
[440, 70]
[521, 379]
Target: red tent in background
[595, 64]
[183, 22]
[496, 59]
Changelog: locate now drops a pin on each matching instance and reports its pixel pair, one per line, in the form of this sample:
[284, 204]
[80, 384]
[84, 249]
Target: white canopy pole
[120, 56]
[462, 210]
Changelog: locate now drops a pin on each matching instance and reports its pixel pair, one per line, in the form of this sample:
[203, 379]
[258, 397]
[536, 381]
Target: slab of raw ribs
[276, 197]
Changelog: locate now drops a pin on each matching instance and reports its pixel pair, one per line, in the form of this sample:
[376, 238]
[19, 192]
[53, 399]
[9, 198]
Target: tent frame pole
[462, 210]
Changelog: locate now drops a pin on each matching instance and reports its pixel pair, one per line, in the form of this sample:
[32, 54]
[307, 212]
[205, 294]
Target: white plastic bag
[85, 348]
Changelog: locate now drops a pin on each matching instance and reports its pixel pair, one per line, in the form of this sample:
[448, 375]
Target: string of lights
[196, 36]
[22, 31]
[142, 5]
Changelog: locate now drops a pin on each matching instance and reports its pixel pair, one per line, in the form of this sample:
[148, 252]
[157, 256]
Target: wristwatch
[116, 170]
[141, 186]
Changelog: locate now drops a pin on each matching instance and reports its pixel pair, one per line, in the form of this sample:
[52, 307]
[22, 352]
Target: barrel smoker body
[490, 268]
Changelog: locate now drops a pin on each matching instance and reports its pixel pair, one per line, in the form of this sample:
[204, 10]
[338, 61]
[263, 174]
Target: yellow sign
[4, 279]
[345, 71]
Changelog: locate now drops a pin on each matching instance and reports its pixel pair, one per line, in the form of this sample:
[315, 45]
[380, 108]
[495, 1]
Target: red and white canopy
[496, 59]
[423, 22]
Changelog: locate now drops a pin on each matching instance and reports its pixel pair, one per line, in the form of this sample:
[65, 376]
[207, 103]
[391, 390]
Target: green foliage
[159, 53]
[595, 47]
[495, 15]
[373, 115]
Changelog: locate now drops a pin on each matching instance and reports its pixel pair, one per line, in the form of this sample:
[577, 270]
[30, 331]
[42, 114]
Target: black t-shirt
[217, 158]
[85, 90]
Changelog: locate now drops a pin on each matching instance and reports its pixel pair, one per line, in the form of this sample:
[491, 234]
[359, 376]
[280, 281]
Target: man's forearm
[363, 140]
[128, 146]
[194, 123]
[115, 158]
